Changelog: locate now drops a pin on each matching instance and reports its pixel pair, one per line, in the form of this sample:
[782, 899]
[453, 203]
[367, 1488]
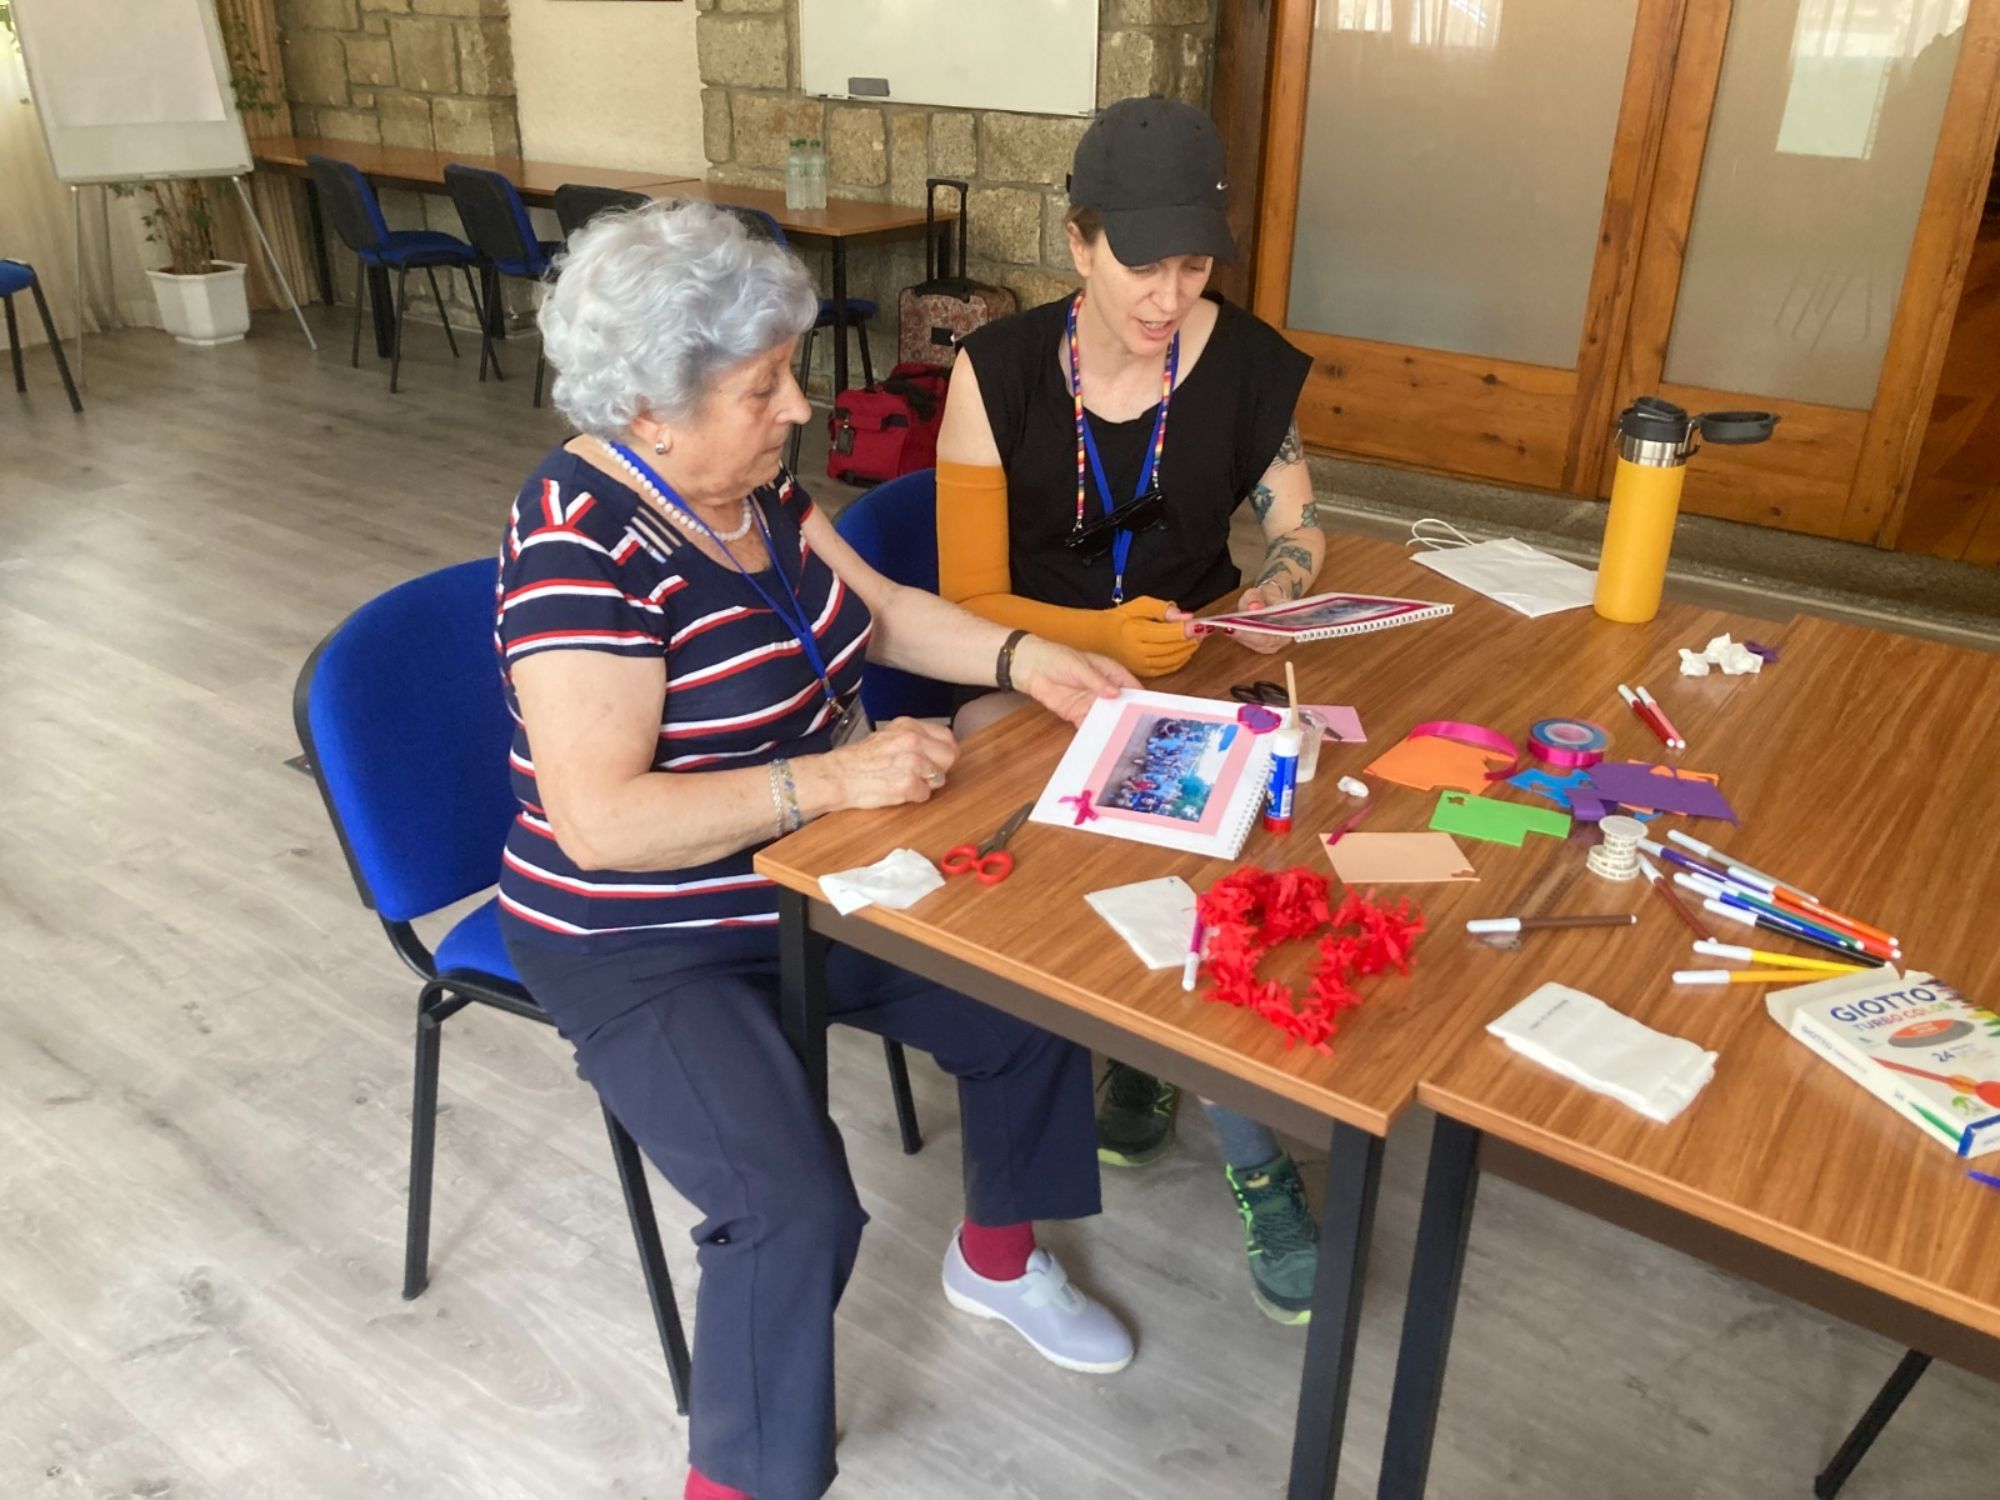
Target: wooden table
[1858, 767]
[1031, 946]
[420, 170]
[843, 222]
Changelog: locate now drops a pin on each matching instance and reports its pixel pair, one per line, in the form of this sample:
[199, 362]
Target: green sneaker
[1135, 1123]
[1279, 1236]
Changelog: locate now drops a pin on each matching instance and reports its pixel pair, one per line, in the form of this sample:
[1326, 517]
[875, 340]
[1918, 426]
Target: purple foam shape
[1633, 784]
[1769, 653]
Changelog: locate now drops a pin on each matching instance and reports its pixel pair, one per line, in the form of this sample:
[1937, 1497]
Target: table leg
[802, 988]
[1353, 1173]
[1450, 1183]
[840, 317]
[382, 305]
[318, 224]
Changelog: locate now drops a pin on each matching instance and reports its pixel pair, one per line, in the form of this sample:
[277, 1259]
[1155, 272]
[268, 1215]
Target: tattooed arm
[1294, 546]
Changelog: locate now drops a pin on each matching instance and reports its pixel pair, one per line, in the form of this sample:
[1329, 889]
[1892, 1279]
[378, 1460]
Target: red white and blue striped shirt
[587, 565]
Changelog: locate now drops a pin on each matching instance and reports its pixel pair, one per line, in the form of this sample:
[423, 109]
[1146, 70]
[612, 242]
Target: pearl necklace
[680, 517]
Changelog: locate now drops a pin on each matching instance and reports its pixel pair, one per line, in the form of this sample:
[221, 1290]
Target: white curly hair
[650, 304]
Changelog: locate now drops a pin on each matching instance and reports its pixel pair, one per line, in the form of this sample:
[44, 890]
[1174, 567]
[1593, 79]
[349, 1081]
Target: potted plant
[202, 299]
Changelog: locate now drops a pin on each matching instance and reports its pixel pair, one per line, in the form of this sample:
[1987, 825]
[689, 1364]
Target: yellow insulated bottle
[1655, 440]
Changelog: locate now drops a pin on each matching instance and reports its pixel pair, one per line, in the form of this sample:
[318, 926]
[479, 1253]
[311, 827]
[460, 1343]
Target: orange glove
[973, 571]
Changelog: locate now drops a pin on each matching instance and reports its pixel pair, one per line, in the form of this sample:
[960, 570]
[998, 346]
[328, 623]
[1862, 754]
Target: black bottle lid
[1651, 420]
[1725, 427]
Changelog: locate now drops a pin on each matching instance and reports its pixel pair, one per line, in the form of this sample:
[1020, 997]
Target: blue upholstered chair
[19, 276]
[894, 528]
[496, 221]
[405, 728]
[357, 218]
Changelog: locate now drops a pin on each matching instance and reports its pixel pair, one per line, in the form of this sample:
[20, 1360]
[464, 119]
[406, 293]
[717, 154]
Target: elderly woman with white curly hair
[682, 635]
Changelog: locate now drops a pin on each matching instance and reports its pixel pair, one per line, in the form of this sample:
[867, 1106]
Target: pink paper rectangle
[1117, 747]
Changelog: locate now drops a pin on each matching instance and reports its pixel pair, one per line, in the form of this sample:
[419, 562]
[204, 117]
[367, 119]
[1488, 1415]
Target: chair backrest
[577, 203]
[495, 218]
[401, 715]
[757, 222]
[349, 202]
[15, 276]
[894, 528]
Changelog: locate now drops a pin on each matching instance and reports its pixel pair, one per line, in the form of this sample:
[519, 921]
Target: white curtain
[35, 226]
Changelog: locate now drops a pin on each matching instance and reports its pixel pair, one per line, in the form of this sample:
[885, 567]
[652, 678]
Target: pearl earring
[660, 447]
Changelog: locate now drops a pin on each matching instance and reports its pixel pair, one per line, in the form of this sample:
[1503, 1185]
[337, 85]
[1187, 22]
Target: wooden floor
[204, 1092]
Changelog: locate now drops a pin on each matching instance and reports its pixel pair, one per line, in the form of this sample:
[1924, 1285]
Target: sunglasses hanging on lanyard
[1113, 531]
[846, 719]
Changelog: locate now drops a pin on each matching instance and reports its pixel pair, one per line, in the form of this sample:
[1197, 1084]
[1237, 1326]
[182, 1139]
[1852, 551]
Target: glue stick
[1283, 786]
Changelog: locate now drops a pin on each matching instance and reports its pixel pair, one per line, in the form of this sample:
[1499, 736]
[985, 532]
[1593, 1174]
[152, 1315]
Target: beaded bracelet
[785, 796]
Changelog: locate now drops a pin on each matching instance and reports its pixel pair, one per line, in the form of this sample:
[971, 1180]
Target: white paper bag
[1507, 571]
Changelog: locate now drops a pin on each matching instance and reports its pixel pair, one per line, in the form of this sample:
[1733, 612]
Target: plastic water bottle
[815, 175]
[797, 193]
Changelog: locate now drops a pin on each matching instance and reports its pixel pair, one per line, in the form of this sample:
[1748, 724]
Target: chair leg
[652, 1259]
[423, 1147]
[867, 360]
[1827, 1483]
[360, 292]
[396, 343]
[541, 370]
[14, 346]
[443, 316]
[490, 278]
[55, 344]
[899, 1087]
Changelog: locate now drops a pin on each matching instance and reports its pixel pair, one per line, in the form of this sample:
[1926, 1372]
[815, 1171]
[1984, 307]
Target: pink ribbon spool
[1573, 744]
[1474, 734]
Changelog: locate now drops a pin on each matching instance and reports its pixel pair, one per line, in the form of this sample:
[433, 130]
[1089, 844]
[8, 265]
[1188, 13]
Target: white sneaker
[1064, 1326]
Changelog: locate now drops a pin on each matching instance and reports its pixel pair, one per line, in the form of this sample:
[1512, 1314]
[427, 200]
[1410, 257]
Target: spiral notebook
[1160, 769]
[1324, 617]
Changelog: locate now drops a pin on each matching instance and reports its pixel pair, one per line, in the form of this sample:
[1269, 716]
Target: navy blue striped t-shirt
[588, 565]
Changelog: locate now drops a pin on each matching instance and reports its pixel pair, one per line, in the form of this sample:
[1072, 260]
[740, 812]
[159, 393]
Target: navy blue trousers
[682, 1040]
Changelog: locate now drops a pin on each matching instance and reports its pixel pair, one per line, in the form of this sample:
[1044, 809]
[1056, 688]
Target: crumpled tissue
[901, 879]
[1733, 657]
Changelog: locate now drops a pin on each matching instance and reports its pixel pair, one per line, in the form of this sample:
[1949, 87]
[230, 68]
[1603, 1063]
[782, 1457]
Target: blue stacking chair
[357, 219]
[405, 727]
[496, 221]
[894, 528]
[859, 311]
[19, 276]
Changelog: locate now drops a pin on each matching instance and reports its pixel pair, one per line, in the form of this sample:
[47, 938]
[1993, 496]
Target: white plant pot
[209, 309]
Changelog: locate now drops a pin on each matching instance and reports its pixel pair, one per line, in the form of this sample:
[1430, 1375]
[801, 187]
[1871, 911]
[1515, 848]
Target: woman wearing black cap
[1093, 453]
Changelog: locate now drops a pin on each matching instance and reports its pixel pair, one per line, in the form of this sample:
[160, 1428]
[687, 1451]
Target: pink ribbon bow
[1081, 802]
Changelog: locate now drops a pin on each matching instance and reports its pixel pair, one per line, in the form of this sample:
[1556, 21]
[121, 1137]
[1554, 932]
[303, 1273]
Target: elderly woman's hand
[904, 760]
[1064, 681]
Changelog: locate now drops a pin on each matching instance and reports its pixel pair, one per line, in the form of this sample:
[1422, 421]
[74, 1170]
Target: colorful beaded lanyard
[1086, 449]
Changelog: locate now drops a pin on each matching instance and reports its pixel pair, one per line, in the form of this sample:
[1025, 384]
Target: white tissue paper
[1155, 916]
[1585, 1040]
[1734, 658]
[902, 879]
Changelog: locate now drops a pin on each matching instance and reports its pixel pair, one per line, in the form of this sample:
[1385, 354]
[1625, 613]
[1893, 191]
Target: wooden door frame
[1551, 428]
[1542, 426]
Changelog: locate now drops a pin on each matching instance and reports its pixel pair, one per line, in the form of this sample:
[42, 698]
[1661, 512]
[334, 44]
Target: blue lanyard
[795, 618]
[1086, 448]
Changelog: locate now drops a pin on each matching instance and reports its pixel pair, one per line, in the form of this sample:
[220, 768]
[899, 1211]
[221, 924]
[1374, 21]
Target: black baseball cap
[1156, 172]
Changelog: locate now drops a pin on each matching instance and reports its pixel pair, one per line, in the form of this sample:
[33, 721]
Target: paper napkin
[1585, 1040]
[900, 880]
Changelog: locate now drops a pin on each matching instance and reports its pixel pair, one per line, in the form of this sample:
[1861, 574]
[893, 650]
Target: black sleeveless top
[1228, 416]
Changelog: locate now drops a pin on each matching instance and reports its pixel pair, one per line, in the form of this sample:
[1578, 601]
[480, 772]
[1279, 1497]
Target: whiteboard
[1036, 57]
[131, 88]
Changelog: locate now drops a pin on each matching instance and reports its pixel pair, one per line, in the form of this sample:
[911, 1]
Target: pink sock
[999, 1252]
[701, 1487]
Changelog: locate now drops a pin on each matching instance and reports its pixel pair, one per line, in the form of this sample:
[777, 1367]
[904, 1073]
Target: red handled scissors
[990, 861]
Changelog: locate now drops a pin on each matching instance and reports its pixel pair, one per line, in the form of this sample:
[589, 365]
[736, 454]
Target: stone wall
[434, 74]
[752, 109]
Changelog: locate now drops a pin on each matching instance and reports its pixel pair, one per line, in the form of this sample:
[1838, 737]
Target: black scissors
[1273, 695]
